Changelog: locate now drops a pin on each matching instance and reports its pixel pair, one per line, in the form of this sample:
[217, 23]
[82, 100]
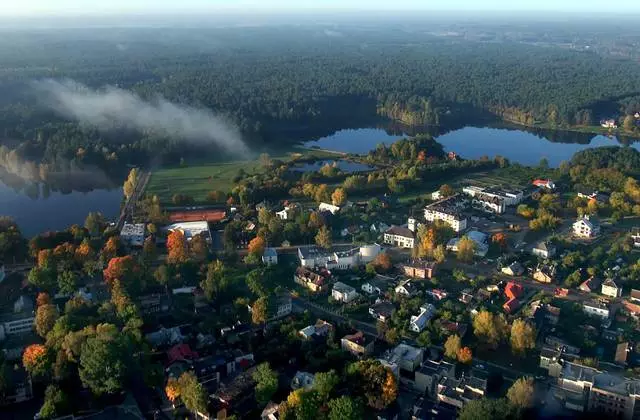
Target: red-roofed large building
[544, 183]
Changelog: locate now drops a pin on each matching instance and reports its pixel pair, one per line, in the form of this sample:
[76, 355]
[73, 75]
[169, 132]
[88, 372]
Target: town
[486, 295]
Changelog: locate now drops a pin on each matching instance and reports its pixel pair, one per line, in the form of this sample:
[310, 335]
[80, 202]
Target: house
[511, 305]
[544, 183]
[287, 213]
[635, 295]
[20, 321]
[480, 240]
[466, 296]
[180, 352]
[611, 289]
[153, 303]
[343, 293]
[417, 323]
[165, 337]
[314, 280]
[585, 227]
[512, 291]
[236, 395]
[513, 269]
[430, 374]
[458, 392]
[378, 285]
[357, 344]
[303, 380]
[382, 311]
[545, 273]
[449, 328]
[635, 236]
[437, 294]
[399, 236]
[419, 268]
[271, 411]
[406, 357]
[544, 250]
[597, 309]
[609, 123]
[319, 329]
[447, 210]
[328, 207]
[340, 258]
[132, 234]
[407, 288]
[270, 256]
[278, 307]
[591, 285]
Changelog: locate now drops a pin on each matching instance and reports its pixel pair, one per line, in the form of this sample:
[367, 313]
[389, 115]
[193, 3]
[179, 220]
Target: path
[127, 209]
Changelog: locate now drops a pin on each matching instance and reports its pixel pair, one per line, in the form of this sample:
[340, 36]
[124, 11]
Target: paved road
[367, 328]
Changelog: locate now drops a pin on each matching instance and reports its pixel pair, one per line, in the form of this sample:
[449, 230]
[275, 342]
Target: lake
[474, 142]
[36, 210]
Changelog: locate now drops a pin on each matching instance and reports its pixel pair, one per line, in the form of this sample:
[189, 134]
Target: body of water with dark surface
[36, 211]
[472, 143]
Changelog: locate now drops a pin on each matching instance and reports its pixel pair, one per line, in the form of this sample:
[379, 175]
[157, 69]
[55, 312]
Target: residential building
[406, 357]
[407, 288]
[20, 321]
[153, 304]
[611, 289]
[545, 273]
[132, 234]
[271, 412]
[341, 257]
[458, 392]
[382, 311]
[635, 295]
[447, 210]
[544, 183]
[282, 306]
[597, 309]
[418, 323]
[419, 268]
[343, 293]
[270, 256]
[609, 123]
[429, 375]
[316, 281]
[378, 285]
[437, 294]
[191, 229]
[489, 203]
[512, 291]
[328, 207]
[303, 380]
[480, 239]
[544, 250]
[513, 269]
[558, 343]
[585, 227]
[466, 296]
[488, 195]
[287, 213]
[591, 285]
[635, 236]
[320, 329]
[357, 344]
[399, 236]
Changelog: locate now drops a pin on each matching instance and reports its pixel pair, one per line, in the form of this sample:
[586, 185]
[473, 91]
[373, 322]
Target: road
[129, 205]
[369, 329]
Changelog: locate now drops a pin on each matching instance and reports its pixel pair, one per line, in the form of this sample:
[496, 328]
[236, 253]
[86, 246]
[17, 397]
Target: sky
[75, 7]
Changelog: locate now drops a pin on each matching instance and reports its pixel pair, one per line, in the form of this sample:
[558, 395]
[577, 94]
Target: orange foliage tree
[43, 299]
[110, 249]
[35, 359]
[84, 252]
[257, 246]
[177, 247]
[64, 251]
[382, 262]
[123, 268]
[45, 258]
[465, 355]
[172, 389]
[499, 239]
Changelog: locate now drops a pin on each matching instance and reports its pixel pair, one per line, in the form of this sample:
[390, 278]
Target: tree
[124, 269]
[55, 403]
[374, 382]
[486, 408]
[521, 393]
[36, 360]
[95, 223]
[526, 211]
[199, 248]
[161, 275]
[466, 249]
[344, 408]
[489, 328]
[500, 239]
[323, 238]
[305, 404]
[339, 197]
[259, 310]
[216, 280]
[266, 383]
[465, 355]
[176, 247]
[110, 248]
[103, 361]
[46, 316]
[67, 282]
[382, 262]
[172, 389]
[42, 278]
[439, 254]
[523, 336]
[257, 246]
[452, 346]
[424, 339]
[130, 183]
[324, 383]
[446, 190]
[629, 123]
[149, 250]
[192, 393]
[42, 299]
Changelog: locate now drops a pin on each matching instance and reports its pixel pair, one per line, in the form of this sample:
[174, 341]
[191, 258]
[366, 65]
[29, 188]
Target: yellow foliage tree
[339, 197]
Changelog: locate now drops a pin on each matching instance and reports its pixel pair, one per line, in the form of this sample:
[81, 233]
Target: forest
[272, 80]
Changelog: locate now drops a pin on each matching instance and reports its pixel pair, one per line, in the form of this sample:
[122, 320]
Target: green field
[197, 179]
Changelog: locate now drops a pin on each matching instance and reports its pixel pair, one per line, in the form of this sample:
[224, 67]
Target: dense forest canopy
[271, 78]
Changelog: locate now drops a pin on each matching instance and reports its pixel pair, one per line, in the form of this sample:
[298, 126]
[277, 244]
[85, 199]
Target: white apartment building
[447, 210]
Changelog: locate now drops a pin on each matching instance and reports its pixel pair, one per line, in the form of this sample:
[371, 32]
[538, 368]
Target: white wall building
[399, 236]
[596, 309]
[611, 289]
[270, 256]
[343, 258]
[585, 227]
[132, 234]
[343, 292]
[419, 322]
[191, 229]
[328, 207]
[447, 210]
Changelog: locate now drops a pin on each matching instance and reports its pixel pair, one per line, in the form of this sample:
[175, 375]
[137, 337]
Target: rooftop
[270, 252]
[130, 229]
[400, 231]
[343, 288]
[358, 338]
[385, 308]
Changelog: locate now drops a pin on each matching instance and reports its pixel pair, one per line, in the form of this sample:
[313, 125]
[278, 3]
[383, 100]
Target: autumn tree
[172, 389]
[162, 275]
[42, 299]
[199, 248]
[526, 211]
[192, 393]
[465, 355]
[266, 383]
[452, 346]
[439, 254]
[466, 249]
[259, 310]
[46, 316]
[95, 223]
[446, 190]
[216, 280]
[130, 183]
[374, 382]
[489, 328]
[36, 359]
[345, 408]
[523, 336]
[42, 278]
[176, 247]
[149, 250]
[323, 238]
[521, 393]
[487, 408]
[257, 246]
[339, 197]
[125, 269]
[110, 249]
[382, 262]
[499, 239]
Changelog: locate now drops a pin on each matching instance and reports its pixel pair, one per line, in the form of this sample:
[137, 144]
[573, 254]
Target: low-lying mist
[112, 107]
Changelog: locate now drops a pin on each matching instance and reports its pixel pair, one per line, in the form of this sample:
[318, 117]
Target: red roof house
[181, 352]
